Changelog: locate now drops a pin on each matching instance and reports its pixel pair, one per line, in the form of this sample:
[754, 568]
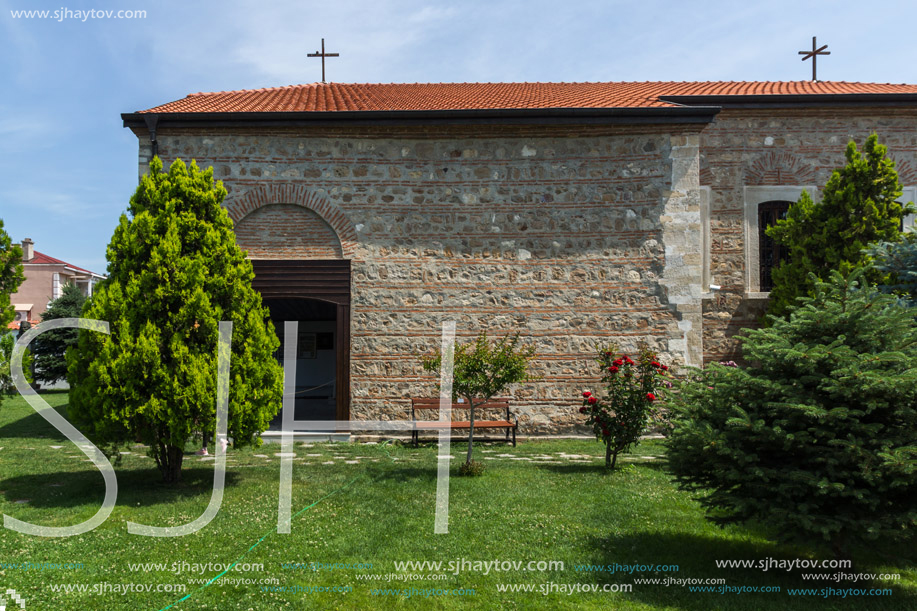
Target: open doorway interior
[316, 356]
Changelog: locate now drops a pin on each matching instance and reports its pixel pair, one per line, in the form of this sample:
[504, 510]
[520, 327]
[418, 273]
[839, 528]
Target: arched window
[770, 253]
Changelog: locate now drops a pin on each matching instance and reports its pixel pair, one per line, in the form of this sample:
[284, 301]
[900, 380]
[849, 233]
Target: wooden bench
[510, 423]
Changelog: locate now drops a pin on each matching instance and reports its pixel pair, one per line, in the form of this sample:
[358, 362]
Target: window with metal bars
[770, 253]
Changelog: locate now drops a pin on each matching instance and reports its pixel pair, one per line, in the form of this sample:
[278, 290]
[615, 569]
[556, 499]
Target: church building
[571, 213]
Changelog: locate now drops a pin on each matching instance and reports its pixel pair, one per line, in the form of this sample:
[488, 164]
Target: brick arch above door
[296, 195]
[287, 231]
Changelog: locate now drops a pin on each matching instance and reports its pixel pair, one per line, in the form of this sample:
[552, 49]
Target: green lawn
[552, 507]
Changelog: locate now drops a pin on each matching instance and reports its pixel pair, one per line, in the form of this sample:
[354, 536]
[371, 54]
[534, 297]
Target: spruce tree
[175, 272]
[899, 261]
[49, 348]
[819, 438]
[858, 208]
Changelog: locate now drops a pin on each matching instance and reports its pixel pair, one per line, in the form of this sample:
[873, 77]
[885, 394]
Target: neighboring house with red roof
[45, 278]
[569, 212]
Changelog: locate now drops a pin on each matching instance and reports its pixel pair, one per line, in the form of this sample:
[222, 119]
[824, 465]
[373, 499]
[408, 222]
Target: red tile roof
[40, 258]
[319, 97]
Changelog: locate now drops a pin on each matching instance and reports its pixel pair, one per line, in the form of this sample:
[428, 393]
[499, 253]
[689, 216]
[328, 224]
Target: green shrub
[819, 438]
[471, 469]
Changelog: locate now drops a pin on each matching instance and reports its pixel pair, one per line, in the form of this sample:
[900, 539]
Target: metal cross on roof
[323, 55]
[814, 53]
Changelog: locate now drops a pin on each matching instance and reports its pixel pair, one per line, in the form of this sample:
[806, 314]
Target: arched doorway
[316, 294]
[316, 360]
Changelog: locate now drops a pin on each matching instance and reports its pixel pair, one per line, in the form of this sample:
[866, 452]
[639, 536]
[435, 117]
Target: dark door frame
[322, 280]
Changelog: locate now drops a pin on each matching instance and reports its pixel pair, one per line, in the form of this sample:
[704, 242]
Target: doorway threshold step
[308, 436]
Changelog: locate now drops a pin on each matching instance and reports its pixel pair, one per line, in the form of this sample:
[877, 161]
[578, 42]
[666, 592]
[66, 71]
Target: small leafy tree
[899, 261]
[482, 370]
[819, 439]
[858, 208]
[10, 278]
[175, 272]
[10, 275]
[7, 388]
[632, 389]
[50, 347]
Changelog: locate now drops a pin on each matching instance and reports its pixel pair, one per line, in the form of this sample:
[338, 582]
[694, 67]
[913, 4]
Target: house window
[770, 253]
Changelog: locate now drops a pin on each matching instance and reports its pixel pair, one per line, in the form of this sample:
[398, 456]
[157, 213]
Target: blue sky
[68, 168]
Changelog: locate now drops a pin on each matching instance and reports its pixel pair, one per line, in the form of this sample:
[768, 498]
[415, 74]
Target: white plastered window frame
[909, 194]
[704, 195]
[754, 196]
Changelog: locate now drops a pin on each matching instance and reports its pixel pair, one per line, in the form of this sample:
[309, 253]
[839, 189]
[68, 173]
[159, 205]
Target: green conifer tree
[899, 261]
[49, 348]
[175, 272]
[10, 278]
[858, 208]
[819, 438]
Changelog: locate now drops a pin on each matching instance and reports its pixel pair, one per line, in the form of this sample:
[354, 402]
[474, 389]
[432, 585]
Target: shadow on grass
[696, 555]
[142, 487]
[578, 468]
[404, 474]
[34, 426]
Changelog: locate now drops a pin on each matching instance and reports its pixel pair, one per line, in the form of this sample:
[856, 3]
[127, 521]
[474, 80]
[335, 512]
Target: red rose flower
[582, 410]
[650, 396]
[605, 432]
[655, 364]
[587, 394]
[665, 368]
[613, 369]
[618, 362]
[592, 400]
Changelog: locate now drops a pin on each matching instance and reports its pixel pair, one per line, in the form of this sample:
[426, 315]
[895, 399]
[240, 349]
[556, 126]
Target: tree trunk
[470, 432]
[169, 459]
[839, 547]
[608, 462]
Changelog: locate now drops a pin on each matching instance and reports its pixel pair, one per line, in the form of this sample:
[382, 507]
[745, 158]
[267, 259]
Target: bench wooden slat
[464, 424]
[433, 404]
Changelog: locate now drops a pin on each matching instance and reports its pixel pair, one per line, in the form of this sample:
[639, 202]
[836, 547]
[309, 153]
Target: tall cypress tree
[175, 272]
[858, 208]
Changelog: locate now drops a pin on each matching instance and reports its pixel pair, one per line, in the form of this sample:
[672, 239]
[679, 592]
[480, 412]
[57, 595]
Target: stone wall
[746, 152]
[566, 235]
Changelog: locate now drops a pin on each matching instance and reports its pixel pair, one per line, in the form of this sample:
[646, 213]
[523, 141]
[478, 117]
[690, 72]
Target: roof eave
[821, 100]
[511, 116]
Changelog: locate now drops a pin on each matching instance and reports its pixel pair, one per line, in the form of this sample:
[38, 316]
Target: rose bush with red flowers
[620, 418]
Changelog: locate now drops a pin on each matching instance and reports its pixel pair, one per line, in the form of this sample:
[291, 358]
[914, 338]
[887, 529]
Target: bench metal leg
[514, 437]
